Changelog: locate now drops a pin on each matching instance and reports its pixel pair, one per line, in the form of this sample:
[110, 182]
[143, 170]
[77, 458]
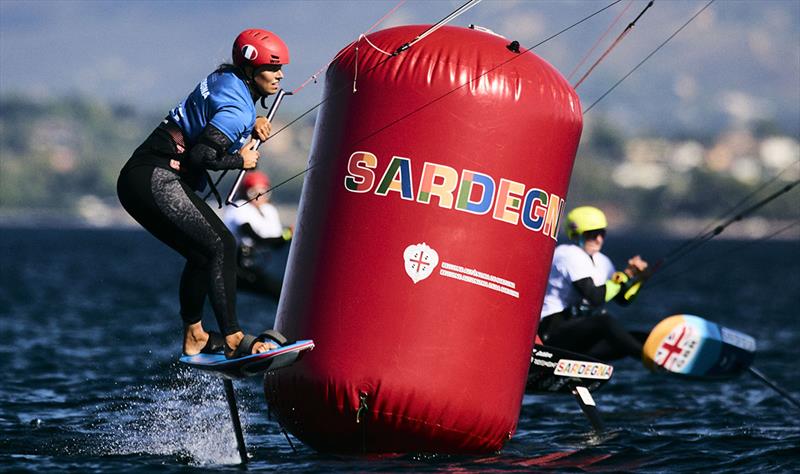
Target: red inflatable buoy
[424, 237]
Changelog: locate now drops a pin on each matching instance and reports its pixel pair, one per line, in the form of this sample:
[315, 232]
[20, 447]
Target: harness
[176, 134]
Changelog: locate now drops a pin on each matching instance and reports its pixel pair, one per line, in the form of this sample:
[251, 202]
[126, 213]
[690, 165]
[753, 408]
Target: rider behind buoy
[254, 218]
[256, 224]
[582, 280]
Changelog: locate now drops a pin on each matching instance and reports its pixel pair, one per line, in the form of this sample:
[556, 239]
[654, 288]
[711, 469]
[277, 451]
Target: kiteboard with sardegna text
[693, 347]
[555, 370]
[684, 345]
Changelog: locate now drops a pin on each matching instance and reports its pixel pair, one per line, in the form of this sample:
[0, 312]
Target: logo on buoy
[420, 260]
[249, 52]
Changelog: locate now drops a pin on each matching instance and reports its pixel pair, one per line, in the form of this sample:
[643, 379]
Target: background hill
[737, 62]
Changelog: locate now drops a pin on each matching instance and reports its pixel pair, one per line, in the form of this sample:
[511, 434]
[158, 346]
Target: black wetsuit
[164, 202]
[589, 329]
[597, 335]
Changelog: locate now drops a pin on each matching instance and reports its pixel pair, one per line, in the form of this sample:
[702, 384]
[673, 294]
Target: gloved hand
[635, 266]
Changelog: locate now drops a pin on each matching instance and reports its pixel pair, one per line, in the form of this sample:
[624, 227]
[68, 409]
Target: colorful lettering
[477, 194]
[397, 178]
[554, 212]
[508, 200]
[485, 186]
[440, 181]
[533, 214]
[360, 178]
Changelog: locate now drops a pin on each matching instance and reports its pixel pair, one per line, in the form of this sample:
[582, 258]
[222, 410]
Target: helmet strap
[251, 83]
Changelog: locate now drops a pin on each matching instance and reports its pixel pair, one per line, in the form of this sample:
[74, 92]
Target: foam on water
[185, 416]
[91, 382]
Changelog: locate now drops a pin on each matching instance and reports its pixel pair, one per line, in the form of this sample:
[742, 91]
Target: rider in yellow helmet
[585, 219]
[582, 279]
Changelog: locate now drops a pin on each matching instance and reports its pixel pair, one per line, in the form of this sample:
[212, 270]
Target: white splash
[187, 419]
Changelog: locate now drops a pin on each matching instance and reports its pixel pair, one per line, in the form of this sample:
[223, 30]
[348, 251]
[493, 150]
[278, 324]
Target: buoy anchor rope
[362, 407]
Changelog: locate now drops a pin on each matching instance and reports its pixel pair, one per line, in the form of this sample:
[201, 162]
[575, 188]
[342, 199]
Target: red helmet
[259, 48]
[255, 178]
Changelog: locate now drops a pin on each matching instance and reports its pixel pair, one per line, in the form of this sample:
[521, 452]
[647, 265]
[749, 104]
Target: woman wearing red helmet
[214, 128]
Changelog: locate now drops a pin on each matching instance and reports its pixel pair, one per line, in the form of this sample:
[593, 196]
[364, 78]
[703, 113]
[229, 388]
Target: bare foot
[235, 339]
[194, 338]
[259, 347]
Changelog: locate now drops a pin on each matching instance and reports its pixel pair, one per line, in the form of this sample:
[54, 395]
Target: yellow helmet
[583, 219]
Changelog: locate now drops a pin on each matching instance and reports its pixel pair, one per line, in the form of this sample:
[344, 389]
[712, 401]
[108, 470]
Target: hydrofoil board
[249, 365]
[555, 370]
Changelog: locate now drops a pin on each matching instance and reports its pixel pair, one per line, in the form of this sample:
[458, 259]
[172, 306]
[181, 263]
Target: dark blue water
[90, 381]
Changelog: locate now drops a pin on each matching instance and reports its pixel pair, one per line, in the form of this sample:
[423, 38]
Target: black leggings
[167, 207]
[599, 336]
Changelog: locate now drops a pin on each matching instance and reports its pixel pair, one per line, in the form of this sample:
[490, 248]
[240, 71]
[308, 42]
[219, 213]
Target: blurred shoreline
[60, 170]
[97, 215]
[94, 213]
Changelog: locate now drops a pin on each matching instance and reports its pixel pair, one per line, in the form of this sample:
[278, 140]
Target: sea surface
[90, 382]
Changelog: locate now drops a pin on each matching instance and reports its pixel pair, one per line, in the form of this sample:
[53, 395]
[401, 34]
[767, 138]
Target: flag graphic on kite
[678, 348]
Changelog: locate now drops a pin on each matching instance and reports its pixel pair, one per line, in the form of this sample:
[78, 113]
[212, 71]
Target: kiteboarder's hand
[262, 128]
[249, 155]
[636, 265]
